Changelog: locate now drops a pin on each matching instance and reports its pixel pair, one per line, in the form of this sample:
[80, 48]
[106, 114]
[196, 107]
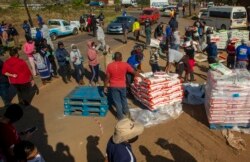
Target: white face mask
[93, 47]
[74, 50]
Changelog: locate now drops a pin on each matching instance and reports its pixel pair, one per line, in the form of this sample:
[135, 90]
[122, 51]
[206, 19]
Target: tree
[28, 13]
[189, 6]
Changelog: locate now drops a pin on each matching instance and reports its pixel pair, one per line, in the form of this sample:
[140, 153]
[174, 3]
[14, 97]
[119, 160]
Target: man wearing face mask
[77, 60]
[63, 57]
[19, 76]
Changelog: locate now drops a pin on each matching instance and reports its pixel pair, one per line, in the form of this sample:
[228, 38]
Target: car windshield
[56, 23]
[239, 15]
[203, 10]
[171, 8]
[147, 12]
[121, 19]
[65, 23]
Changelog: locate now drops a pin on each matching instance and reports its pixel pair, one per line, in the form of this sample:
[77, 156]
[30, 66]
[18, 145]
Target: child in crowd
[231, 51]
[189, 50]
[154, 59]
[26, 151]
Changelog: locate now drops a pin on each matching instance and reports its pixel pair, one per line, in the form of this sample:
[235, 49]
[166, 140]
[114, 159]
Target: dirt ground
[81, 139]
[76, 138]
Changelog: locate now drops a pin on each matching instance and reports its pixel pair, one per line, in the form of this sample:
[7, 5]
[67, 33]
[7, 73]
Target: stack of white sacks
[223, 36]
[228, 97]
[222, 44]
[157, 90]
[239, 35]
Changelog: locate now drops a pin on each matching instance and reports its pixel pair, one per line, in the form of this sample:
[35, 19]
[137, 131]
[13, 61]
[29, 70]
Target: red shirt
[19, 67]
[231, 50]
[117, 71]
[8, 138]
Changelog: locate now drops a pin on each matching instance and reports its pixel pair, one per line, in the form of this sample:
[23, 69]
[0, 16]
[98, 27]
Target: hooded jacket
[61, 56]
[92, 54]
[29, 48]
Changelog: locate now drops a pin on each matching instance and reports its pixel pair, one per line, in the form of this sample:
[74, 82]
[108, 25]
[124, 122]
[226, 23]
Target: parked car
[153, 14]
[60, 27]
[203, 13]
[210, 4]
[96, 4]
[116, 25]
[168, 9]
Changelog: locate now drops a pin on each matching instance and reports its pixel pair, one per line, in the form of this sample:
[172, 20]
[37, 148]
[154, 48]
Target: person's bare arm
[10, 75]
[168, 67]
[106, 82]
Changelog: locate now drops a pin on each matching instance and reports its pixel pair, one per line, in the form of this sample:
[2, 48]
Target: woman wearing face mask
[93, 62]
[77, 60]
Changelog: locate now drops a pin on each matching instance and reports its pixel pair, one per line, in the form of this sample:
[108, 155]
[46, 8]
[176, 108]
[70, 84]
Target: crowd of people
[49, 62]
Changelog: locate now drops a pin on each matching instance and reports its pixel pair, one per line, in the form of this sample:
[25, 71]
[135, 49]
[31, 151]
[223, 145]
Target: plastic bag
[161, 114]
[194, 94]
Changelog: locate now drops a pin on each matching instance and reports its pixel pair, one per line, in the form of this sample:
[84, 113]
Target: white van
[226, 17]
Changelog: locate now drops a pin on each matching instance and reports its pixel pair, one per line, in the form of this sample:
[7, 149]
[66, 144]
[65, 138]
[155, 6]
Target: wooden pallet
[86, 101]
[85, 94]
[86, 110]
[228, 125]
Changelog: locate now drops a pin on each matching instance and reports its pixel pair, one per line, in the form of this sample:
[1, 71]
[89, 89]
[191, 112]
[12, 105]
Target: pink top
[29, 48]
[92, 55]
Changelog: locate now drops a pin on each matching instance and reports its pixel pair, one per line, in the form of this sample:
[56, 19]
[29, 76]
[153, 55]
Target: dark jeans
[129, 79]
[4, 93]
[94, 31]
[148, 39]
[79, 71]
[23, 92]
[120, 101]
[155, 67]
[137, 35]
[53, 64]
[95, 73]
[231, 62]
[65, 72]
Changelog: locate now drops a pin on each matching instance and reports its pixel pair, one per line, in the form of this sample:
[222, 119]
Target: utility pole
[189, 6]
[28, 13]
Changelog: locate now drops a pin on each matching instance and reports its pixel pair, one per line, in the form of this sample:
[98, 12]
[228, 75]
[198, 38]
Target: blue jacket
[62, 56]
[133, 61]
[39, 35]
[168, 31]
[26, 28]
[242, 53]
[211, 50]
[119, 152]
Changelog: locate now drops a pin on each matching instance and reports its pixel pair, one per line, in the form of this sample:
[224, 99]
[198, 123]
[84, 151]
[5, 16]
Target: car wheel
[223, 26]
[53, 36]
[75, 31]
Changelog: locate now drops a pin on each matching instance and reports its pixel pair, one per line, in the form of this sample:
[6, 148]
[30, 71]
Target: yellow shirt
[136, 26]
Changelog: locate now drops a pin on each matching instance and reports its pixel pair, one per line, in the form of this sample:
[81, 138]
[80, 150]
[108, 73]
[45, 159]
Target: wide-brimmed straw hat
[126, 129]
[73, 46]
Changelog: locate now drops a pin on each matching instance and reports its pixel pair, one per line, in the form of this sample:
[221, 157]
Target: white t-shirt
[38, 158]
[76, 54]
[45, 31]
[174, 56]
